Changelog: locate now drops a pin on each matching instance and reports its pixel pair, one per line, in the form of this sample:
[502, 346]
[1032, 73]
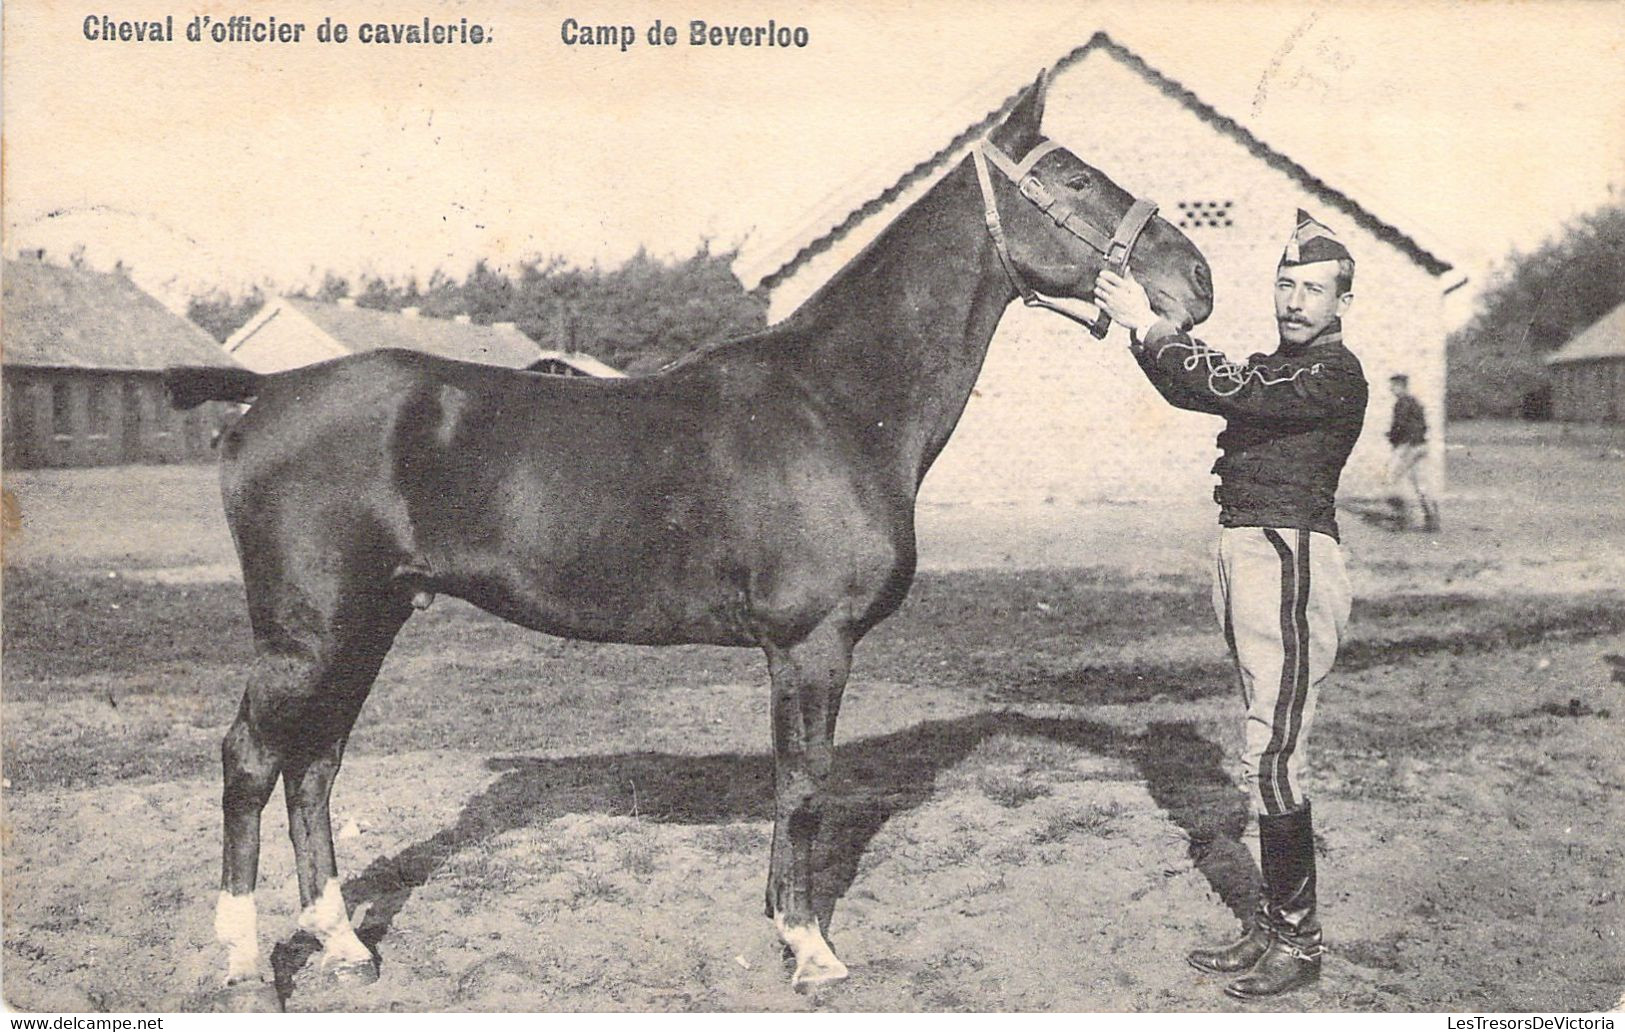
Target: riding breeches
[1283, 598]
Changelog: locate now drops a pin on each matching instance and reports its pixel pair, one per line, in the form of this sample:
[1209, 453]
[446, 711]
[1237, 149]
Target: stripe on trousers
[1230, 631]
[1273, 788]
[1301, 619]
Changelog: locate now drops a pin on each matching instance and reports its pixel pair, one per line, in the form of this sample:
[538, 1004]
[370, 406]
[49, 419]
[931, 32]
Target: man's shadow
[1384, 513]
[875, 779]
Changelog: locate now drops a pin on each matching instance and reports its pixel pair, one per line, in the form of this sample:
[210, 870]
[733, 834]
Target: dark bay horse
[759, 492]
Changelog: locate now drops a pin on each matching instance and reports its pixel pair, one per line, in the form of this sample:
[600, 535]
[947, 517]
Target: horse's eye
[1079, 181]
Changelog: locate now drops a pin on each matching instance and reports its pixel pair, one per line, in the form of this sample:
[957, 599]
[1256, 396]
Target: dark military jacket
[1410, 426]
[1292, 418]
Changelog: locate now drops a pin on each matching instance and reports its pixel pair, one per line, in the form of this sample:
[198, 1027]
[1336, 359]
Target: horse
[758, 492]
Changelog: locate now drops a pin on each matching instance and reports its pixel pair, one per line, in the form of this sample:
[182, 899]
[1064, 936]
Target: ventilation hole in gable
[1204, 214]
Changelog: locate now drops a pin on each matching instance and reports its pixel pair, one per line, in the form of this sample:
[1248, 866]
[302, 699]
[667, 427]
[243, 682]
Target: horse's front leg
[808, 678]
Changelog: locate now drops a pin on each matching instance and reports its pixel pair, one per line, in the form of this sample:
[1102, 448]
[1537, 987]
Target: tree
[332, 287]
[221, 314]
[637, 317]
[1535, 304]
[649, 312]
[387, 295]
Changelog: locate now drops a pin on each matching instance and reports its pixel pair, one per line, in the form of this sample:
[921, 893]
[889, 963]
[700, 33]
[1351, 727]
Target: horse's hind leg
[316, 665]
[318, 727]
[250, 768]
[307, 782]
[308, 787]
[808, 678]
[256, 751]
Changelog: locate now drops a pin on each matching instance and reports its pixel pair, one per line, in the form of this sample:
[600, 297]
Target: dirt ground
[1033, 809]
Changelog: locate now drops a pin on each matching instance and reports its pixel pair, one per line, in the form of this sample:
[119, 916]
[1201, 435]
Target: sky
[1476, 128]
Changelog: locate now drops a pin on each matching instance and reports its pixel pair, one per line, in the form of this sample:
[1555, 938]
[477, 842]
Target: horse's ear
[1019, 132]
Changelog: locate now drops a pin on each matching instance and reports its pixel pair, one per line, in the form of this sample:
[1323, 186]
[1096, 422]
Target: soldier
[1280, 589]
[1408, 434]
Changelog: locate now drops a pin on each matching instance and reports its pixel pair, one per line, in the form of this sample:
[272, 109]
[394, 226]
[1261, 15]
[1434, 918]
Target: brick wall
[61, 417]
[1589, 392]
[1058, 415]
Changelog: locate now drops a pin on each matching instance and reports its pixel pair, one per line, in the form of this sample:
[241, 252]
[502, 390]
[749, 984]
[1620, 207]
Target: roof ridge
[500, 326]
[79, 317]
[359, 328]
[1362, 216]
[1169, 87]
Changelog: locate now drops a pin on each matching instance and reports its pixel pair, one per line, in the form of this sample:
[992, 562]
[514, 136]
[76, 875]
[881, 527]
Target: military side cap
[1313, 242]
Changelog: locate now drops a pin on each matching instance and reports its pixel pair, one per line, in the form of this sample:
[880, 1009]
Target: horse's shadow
[875, 779]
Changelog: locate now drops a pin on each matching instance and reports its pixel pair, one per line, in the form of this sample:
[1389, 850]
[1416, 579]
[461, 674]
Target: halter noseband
[1116, 249]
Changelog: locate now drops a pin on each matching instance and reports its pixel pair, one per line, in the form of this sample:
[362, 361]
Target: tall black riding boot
[1237, 956]
[1286, 848]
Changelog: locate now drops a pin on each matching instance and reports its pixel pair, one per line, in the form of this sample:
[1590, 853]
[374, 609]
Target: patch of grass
[942, 982]
[1094, 821]
[67, 915]
[1459, 626]
[537, 911]
[952, 853]
[566, 855]
[1010, 790]
[639, 857]
[65, 624]
[459, 679]
[986, 888]
[472, 872]
[1574, 708]
[593, 887]
[1013, 853]
[1028, 753]
[1422, 737]
[734, 839]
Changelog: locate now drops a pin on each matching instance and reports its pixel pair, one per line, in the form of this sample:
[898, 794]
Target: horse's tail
[191, 386]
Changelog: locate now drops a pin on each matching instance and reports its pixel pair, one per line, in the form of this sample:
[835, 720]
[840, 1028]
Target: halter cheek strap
[1115, 250]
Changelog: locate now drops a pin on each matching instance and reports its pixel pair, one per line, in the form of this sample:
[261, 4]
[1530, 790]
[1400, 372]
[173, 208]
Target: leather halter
[1116, 249]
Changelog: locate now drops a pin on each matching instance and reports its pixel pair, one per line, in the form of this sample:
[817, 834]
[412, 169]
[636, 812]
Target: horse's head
[1063, 221]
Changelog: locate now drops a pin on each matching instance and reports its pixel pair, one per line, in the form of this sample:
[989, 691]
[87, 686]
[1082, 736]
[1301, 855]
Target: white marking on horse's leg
[236, 925]
[327, 921]
[815, 961]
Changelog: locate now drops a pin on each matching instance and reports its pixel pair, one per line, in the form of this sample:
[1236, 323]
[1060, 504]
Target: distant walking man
[1279, 586]
[1408, 433]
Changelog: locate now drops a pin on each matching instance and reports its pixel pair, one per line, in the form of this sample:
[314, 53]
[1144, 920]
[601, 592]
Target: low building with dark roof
[1057, 415]
[1588, 373]
[83, 353]
[289, 332]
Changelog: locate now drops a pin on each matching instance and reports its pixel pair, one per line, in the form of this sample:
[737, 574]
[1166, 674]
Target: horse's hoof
[250, 996]
[812, 974]
[352, 972]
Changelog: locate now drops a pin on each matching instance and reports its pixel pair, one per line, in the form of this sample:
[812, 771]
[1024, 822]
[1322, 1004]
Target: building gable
[826, 231]
[1604, 338]
[279, 337]
[1059, 416]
